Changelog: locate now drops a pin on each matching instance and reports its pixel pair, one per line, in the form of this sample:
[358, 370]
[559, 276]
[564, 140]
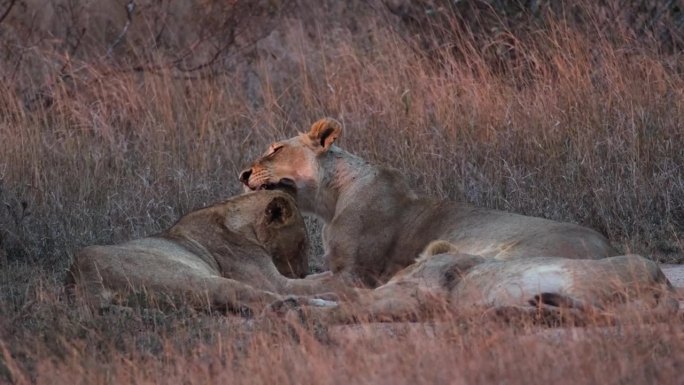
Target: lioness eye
[275, 149]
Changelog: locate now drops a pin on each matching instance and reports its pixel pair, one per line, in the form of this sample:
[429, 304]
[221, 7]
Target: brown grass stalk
[560, 115]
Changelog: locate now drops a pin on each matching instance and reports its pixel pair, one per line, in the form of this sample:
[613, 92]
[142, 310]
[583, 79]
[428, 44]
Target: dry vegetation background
[117, 117]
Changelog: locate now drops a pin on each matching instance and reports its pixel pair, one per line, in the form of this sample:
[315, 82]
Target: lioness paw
[321, 303]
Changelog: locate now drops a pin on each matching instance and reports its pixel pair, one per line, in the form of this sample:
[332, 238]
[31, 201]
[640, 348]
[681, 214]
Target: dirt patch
[675, 273]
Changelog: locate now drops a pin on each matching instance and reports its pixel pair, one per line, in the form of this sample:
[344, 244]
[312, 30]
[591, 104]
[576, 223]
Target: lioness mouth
[285, 184]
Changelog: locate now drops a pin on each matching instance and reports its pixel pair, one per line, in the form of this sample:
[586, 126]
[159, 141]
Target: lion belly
[575, 283]
[510, 283]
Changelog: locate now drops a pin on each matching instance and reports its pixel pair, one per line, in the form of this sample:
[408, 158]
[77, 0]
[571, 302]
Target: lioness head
[270, 219]
[294, 165]
[281, 230]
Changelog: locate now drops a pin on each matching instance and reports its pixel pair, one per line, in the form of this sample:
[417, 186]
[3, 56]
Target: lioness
[444, 281]
[227, 256]
[375, 224]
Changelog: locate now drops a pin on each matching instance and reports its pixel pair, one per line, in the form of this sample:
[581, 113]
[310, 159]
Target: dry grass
[57, 347]
[575, 124]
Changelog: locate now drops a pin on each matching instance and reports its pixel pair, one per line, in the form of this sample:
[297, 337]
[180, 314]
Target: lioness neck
[346, 177]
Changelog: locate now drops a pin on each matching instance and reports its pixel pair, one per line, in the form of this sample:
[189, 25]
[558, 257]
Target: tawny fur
[227, 256]
[616, 289]
[375, 224]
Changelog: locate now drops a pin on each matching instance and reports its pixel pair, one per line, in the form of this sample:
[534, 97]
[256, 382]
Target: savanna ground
[114, 123]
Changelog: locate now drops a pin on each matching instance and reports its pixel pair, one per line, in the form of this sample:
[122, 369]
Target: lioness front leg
[322, 275]
[396, 303]
[330, 288]
[231, 295]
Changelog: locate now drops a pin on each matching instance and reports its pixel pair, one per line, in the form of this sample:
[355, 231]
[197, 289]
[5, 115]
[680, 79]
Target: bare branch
[130, 8]
[7, 11]
[214, 58]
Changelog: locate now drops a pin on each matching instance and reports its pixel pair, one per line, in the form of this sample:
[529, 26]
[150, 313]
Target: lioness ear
[324, 132]
[278, 211]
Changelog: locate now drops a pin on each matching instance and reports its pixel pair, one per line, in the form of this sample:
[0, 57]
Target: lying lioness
[231, 255]
[443, 281]
[375, 224]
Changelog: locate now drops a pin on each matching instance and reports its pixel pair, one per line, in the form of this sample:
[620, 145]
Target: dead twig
[7, 11]
[130, 8]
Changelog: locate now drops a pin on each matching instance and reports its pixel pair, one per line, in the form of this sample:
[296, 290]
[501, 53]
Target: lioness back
[502, 235]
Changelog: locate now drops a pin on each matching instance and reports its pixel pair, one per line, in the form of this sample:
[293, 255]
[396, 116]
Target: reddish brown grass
[554, 120]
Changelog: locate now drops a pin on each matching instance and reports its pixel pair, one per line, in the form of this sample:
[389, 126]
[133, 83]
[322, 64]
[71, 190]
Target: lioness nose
[244, 175]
